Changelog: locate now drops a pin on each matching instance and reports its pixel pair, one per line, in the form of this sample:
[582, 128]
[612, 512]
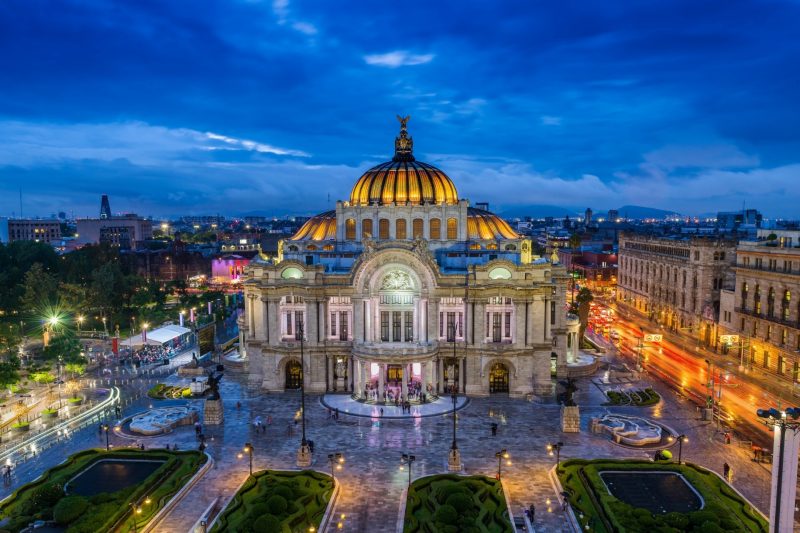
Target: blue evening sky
[273, 107]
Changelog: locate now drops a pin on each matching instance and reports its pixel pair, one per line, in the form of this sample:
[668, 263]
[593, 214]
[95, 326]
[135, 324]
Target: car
[615, 334]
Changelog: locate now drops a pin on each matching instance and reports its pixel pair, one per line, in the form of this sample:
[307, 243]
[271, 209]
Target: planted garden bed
[45, 498]
[636, 398]
[598, 510]
[449, 503]
[168, 392]
[274, 501]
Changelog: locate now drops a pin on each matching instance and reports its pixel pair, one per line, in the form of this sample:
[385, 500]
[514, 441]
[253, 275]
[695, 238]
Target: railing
[767, 269]
[763, 316]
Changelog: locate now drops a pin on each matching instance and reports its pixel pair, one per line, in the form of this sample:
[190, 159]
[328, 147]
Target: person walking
[726, 472]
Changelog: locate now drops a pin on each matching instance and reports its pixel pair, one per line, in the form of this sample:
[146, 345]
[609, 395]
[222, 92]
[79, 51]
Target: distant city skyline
[278, 107]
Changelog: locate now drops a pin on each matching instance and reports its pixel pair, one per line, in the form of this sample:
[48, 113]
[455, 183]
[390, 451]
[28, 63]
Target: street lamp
[80, 320]
[248, 449]
[407, 459]
[335, 460]
[105, 428]
[681, 439]
[555, 447]
[304, 454]
[135, 510]
[502, 454]
[145, 325]
[780, 422]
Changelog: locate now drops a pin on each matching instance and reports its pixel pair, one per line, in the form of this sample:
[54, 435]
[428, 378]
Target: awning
[157, 337]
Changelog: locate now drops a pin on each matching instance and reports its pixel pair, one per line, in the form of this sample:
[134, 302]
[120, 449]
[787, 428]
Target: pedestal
[786, 442]
[570, 419]
[454, 460]
[304, 456]
[212, 413]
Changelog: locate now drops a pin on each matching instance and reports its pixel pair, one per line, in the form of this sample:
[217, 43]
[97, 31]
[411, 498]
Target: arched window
[400, 228]
[436, 229]
[452, 229]
[350, 229]
[787, 298]
[745, 288]
[366, 228]
[757, 300]
[770, 302]
[417, 228]
[383, 228]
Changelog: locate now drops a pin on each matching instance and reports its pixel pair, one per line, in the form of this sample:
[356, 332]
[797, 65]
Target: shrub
[676, 520]
[69, 509]
[46, 496]
[277, 504]
[282, 489]
[460, 501]
[446, 514]
[698, 518]
[259, 509]
[266, 524]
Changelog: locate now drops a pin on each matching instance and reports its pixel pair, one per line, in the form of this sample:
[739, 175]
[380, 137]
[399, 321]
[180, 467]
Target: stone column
[357, 378]
[358, 320]
[381, 380]
[274, 322]
[404, 389]
[480, 322]
[416, 318]
[370, 336]
[364, 377]
[424, 378]
[462, 370]
[468, 320]
[251, 318]
[331, 384]
[440, 375]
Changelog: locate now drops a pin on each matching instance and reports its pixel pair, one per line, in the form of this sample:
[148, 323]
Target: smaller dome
[318, 228]
[483, 225]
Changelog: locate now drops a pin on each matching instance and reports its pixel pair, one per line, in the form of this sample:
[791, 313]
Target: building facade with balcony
[764, 309]
[406, 290]
[676, 282]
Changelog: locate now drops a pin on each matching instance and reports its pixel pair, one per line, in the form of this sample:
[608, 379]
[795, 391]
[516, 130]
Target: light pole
[79, 319]
[407, 459]
[555, 447]
[780, 422]
[304, 454]
[248, 449]
[105, 428]
[681, 439]
[502, 454]
[335, 460]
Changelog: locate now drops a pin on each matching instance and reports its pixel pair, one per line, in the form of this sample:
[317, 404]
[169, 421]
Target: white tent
[158, 337]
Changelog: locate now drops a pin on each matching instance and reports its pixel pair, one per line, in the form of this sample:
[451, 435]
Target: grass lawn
[449, 503]
[636, 398]
[724, 510]
[44, 499]
[273, 501]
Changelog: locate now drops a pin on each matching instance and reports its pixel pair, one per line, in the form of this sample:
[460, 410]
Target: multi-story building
[764, 309]
[25, 229]
[406, 288]
[676, 281]
[126, 232]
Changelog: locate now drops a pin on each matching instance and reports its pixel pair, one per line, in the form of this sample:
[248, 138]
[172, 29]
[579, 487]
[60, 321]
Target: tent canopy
[159, 336]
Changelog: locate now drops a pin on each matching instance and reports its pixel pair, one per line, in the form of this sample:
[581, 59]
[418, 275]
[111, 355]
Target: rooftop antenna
[20, 202]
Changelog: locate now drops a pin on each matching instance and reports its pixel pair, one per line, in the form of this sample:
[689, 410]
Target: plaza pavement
[372, 481]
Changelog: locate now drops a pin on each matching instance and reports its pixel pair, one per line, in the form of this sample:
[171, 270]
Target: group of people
[260, 426]
[152, 354]
[7, 475]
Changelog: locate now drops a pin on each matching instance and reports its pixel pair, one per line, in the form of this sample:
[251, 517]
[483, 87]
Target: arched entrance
[294, 375]
[498, 378]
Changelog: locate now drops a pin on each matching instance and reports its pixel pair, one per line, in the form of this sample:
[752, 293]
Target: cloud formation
[398, 58]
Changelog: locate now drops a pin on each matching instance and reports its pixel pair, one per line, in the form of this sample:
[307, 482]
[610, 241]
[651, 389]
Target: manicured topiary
[460, 501]
[698, 518]
[277, 504]
[259, 509]
[69, 509]
[446, 514]
[46, 496]
[282, 489]
[266, 524]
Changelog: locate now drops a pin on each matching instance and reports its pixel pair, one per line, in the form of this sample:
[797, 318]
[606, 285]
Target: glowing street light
[335, 460]
[502, 454]
[555, 447]
[407, 459]
[681, 439]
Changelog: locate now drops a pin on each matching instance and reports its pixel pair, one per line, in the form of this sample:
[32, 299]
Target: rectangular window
[289, 323]
[552, 312]
[435, 229]
[383, 229]
[344, 326]
[400, 228]
[451, 327]
[409, 319]
[796, 372]
[397, 321]
[497, 327]
[766, 359]
[366, 228]
[298, 322]
[417, 228]
[334, 331]
[385, 326]
[488, 315]
[781, 364]
[460, 324]
[507, 333]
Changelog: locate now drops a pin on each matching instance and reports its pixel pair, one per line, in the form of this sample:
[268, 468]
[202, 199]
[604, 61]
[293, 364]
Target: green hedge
[39, 499]
[451, 503]
[637, 398]
[161, 391]
[295, 500]
[724, 510]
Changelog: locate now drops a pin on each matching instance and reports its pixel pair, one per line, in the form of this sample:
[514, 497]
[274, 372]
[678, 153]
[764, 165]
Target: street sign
[729, 339]
[653, 337]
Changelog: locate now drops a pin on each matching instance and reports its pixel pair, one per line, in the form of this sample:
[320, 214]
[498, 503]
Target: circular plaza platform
[348, 406]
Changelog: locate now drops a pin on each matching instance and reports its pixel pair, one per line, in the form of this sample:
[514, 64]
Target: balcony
[395, 350]
[762, 316]
[766, 269]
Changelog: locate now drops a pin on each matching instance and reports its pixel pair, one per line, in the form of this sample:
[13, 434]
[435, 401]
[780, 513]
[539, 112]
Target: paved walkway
[351, 407]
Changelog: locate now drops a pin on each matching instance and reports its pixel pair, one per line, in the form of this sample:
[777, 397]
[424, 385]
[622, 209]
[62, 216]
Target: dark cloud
[564, 90]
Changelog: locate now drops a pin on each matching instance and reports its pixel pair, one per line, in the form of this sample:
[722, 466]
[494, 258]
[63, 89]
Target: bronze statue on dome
[403, 121]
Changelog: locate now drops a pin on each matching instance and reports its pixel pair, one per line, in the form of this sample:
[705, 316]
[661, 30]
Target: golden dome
[483, 225]
[318, 228]
[403, 180]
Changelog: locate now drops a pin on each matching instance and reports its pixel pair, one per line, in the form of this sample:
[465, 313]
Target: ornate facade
[404, 291]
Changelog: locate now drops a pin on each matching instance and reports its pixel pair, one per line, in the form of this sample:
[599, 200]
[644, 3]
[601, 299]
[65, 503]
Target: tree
[583, 299]
[9, 372]
[40, 290]
[574, 241]
[43, 378]
[65, 345]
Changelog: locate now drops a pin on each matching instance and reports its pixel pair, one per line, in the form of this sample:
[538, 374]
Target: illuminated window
[366, 228]
[436, 228]
[383, 228]
[452, 229]
[400, 228]
[350, 229]
[417, 228]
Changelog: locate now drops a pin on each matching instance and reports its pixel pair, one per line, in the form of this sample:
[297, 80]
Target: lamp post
[105, 428]
[304, 453]
[681, 439]
[502, 454]
[79, 319]
[135, 510]
[783, 497]
[555, 447]
[248, 449]
[335, 460]
[407, 459]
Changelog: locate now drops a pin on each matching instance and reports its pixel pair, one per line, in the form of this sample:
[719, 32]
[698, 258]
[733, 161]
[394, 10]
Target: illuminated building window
[400, 228]
[417, 229]
[452, 229]
[383, 228]
[436, 229]
[350, 229]
[366, 228]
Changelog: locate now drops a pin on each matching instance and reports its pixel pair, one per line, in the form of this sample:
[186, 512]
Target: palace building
[405, 290]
